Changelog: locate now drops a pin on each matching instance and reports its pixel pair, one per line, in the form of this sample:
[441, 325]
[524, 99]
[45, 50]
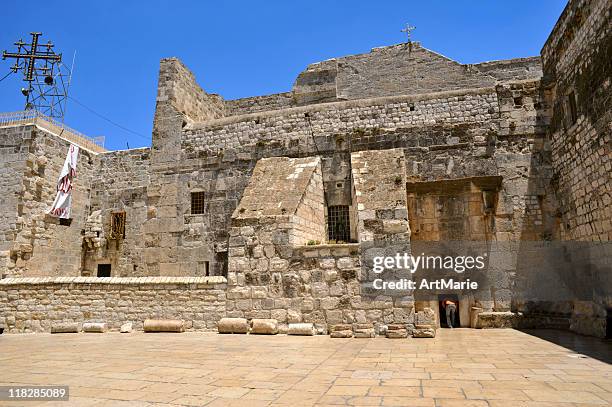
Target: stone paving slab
[459, 368]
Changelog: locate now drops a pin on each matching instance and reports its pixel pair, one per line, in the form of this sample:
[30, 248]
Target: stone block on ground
[303, 328]
[65, 327]
[96, 327]
[164, 325]
[397, 331]
[264, 326]
[233, 326]
[341, 331]
[364, 331]
[424, 331]
[126, 328]
[397, 334]
[497, 319]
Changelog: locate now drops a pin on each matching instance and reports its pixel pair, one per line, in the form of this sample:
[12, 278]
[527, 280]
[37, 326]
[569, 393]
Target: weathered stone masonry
[410, 144]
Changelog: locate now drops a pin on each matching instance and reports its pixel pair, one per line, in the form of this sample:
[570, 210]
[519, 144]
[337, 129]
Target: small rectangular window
[338, 227]
[117, 225]
[104, 270]
[197, 203]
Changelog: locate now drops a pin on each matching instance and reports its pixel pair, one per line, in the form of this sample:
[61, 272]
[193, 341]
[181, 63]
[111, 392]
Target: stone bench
[164, 325]
[233, 326]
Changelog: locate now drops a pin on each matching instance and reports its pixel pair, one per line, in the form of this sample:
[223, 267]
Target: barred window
[338, 227]
[197, 203]
[117, 225]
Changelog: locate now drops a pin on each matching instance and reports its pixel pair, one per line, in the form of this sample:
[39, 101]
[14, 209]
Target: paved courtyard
[458, 368]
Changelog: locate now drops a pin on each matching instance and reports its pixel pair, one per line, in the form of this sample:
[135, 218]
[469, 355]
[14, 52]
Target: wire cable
[108, 120]
[6, 76]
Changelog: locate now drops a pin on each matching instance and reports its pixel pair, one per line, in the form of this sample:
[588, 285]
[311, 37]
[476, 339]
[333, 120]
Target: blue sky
[245, 48]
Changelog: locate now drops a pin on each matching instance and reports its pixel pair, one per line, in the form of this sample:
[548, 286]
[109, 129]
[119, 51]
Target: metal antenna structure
[47, 79]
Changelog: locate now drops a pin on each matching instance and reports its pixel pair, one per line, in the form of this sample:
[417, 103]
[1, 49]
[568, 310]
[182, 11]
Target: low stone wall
[35, 304]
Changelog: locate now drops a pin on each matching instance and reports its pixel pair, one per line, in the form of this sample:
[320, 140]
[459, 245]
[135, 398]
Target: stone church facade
[259, 207]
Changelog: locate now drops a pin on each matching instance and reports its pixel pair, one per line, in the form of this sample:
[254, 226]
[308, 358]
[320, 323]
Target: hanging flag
[61, 205]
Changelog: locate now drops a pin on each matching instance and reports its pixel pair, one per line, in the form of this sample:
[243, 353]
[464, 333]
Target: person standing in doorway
[451, 309]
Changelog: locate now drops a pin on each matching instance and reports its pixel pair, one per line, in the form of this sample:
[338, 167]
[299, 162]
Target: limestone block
[424, 331]
[233, 326]
[475, 311]
[341, 331]
[164, 325]
[397, 334]
[306, 329]
[348, 333]
[364, 331]
[264, 326]
[98, 327]
[340, 327]
[65, 327]
[126, 328]
[397, 331]
[497, 319]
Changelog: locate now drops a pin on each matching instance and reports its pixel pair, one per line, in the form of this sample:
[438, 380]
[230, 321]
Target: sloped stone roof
[276, 187]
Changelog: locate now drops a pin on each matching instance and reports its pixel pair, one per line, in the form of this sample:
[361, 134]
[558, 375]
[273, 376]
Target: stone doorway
[442, 310]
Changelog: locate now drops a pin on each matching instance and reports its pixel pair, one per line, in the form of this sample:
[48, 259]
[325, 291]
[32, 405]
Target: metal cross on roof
[30, 56]
[47, 78]
[408, 30]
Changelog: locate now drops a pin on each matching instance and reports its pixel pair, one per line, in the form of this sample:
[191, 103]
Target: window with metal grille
[117, 230]
[197, 203]
[338, 227]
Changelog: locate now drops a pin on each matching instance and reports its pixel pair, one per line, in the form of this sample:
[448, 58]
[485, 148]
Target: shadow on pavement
[596, 348]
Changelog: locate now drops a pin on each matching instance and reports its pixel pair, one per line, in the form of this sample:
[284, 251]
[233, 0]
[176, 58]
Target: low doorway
[104, 270]
[442, 310]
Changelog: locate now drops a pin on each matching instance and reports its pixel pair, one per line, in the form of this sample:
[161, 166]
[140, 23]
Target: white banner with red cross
[63, 200]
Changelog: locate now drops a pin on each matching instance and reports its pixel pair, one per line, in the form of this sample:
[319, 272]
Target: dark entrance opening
[442, 310]
[609, 323]
[104, 270]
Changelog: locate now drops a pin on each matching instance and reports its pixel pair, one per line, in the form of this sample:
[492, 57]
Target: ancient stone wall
[513, 69]
[318, 284]
[379, 179]
[35, 304]
[259, 104]
[578, 71]
[308, 124]
[177, 87]
[120, 186]
[402, 69]
[13, 154]
[180, 100]
[40, 245]
[577, 76]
